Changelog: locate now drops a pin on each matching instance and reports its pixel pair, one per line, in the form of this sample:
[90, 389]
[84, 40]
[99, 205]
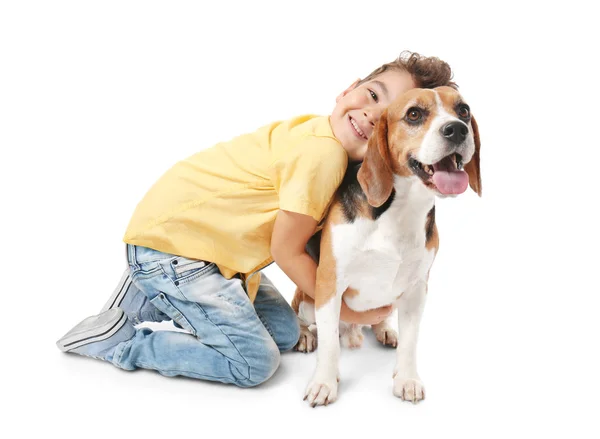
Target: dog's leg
[385, 333]
[407, 384]
[304, 306]
[322, 389]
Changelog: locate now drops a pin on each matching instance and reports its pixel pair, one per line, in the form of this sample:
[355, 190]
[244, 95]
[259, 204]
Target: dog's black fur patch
[313, 246]
[376, 212]
[352, 196]
[430, 224]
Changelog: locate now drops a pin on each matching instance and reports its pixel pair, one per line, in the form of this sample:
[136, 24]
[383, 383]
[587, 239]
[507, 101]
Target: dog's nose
[456, 132]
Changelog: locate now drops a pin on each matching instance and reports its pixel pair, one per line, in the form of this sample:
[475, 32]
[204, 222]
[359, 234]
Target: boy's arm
[291, 233]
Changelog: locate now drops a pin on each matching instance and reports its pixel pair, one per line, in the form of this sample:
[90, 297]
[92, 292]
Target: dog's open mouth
[447, 175]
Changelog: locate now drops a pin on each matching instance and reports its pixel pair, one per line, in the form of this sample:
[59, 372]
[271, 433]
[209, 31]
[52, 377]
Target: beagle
[379, 239]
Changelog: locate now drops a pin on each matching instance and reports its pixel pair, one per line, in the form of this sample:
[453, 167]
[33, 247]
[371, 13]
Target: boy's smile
[360, 106]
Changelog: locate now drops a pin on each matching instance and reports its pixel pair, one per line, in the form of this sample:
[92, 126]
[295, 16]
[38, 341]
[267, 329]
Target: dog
[379, 238]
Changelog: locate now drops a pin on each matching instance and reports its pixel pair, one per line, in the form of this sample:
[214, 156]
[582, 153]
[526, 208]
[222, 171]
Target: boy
[199, 238]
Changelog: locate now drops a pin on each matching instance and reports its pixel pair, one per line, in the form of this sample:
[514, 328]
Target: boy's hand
[369, 317]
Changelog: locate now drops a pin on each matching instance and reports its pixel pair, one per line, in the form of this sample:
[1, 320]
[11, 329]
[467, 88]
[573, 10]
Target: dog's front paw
[409, 389]
[321, 392]
[307, 341]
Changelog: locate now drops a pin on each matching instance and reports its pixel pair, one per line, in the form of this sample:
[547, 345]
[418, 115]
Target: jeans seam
[116, 360]
[264, 322]
[226, 335]
[179, 317]
[202, 376]
[133, 263]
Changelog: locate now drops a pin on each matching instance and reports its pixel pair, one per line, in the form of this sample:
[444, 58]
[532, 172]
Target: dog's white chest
[379, 261]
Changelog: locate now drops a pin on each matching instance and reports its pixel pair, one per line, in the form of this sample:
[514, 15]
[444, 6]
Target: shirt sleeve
[308, 174]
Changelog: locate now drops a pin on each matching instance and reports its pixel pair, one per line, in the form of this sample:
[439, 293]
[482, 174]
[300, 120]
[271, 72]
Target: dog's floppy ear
[375, 175]
[472, 168]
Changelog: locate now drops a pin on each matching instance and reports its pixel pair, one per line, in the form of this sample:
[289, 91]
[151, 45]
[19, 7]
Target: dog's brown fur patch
[350, 293]
[432, 239]
[299, 297]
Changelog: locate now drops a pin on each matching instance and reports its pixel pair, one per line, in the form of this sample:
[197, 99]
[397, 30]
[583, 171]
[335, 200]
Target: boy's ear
[472, 168]
[375, 176]
[349, 89]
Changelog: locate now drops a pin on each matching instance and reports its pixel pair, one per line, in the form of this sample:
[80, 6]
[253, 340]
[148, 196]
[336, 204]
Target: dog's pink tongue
[454, 182]
[448, 179]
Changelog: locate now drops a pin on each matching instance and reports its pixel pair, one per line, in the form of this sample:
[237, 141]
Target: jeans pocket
[164, 304]
[186, 270]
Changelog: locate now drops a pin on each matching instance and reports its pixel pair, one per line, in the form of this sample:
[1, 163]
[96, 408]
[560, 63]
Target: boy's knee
[262, 364]
[290, 337]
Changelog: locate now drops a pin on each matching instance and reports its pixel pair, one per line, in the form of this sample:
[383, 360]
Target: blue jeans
[230, 339]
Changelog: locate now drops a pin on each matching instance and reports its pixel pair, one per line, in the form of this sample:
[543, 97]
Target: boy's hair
[427, 72]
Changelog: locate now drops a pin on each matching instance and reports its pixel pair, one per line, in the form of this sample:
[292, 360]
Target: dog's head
[427, 134]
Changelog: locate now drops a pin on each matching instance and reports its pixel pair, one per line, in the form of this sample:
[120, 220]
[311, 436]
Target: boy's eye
[373, 95]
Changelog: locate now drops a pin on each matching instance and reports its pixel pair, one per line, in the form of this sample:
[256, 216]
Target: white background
[97, 99]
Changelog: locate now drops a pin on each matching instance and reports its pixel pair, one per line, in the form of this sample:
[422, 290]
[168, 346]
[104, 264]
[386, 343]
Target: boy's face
[359, 107]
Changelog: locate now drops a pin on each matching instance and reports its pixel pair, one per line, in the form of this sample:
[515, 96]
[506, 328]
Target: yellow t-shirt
[220, 204]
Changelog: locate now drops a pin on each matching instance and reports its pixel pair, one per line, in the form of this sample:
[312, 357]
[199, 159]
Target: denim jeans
[230, 339]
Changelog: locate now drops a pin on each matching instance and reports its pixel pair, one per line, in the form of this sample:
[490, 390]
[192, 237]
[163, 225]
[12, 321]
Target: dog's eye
[414, 115]
[464, 112]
